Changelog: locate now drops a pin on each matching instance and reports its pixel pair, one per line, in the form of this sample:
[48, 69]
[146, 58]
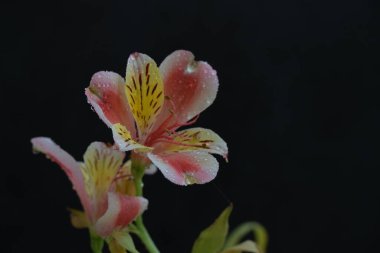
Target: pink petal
[121, 211]
[190, 87]
[106, 94]
[187, 167]
[67, 163]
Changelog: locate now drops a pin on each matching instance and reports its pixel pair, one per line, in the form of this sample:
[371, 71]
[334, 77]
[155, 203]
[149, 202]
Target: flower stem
[145, 237]
[97, 243]
[143, 234]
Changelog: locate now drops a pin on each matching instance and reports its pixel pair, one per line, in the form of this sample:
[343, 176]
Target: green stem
[97, 243]
[143, 234]
[145, 237]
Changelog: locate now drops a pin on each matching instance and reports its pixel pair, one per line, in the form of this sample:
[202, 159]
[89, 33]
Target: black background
[297, 104]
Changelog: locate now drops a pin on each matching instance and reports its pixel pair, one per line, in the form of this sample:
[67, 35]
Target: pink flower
[146, 109]
[97, 182]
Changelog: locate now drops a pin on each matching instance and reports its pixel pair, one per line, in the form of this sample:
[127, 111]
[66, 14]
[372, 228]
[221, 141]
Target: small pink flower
[96, 181]
[146, 109]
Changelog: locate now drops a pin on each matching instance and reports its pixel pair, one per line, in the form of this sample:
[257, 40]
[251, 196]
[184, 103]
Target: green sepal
[124, 239]
[211, 240]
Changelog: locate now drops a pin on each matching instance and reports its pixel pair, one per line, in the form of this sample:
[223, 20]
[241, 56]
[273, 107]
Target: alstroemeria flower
[146, 109]
[101, 185]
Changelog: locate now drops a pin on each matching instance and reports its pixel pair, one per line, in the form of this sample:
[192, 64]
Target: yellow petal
[125, 184]
[124, 140]
[145, 91]
[78, 218]
[196, 139]
[100, 167]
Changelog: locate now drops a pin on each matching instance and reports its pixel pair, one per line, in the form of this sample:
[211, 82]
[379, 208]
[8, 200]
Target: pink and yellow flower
[101, 182]
[146, 109]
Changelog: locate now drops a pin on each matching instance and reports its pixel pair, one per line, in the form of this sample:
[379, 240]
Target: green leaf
[124, 239]
[211, 240]
[259, 232]
[247, 246]
[97, 243]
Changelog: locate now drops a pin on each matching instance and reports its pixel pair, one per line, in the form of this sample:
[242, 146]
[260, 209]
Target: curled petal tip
[226, 158]
[190, 179]
[152, 169]
[191, 67]
[134, 55]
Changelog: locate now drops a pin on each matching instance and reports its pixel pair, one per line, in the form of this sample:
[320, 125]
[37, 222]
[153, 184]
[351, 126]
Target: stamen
[119, 177]
[192, 121]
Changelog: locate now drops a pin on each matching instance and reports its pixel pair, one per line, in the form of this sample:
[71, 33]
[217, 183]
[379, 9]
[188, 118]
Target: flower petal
[124, 239]
[190, 87]
[145, 91]
[124, 182]
[152, 169]
[107, 96]
[115, 247]
[100, 168]
[123, 139]
[194, 139]
[67, 163]
[121, 211]
[193, 167]
[78, 219]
